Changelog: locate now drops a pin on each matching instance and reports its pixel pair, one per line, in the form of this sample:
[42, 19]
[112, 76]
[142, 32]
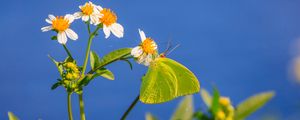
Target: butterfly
[166, 80]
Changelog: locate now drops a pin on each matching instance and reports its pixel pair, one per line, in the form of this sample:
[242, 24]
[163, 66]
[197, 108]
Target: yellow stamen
[147, 46]
[109, 17]
[60, 23]
[87, 9]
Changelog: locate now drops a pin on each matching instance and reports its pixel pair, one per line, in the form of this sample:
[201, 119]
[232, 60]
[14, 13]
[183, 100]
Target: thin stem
[130, 107]
[81, 104]
[89, 29]
[70, 107]
[68, 52]
[88, 49]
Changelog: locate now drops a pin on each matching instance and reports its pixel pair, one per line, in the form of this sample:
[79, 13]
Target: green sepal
[57, 84]
[58, 65]
[129, 63]
[54, 38]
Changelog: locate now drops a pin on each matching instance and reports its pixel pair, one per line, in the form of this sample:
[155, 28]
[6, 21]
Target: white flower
[109, 20]
[89, 11]
[146, 52]
[61, 25]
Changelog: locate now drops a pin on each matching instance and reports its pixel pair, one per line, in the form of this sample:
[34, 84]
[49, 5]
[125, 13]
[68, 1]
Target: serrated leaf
[185, 109]
[206, 97]
[11, 116]
[113, 56]
[252, 104]
[149, 116]
[94, 60]
[105, 73]
[57, 64]
[215, 102]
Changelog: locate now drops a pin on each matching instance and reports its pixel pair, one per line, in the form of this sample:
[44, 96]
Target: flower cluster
[226, 111]
[70, 75]
[89, 13]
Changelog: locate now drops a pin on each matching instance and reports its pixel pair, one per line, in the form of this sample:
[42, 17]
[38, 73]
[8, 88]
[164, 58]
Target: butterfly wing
[165, 80]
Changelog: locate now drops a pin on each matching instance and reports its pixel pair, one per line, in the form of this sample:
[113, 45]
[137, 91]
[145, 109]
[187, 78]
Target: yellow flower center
[87, 9]
[60, 23]
[109, 17]
[147, 46]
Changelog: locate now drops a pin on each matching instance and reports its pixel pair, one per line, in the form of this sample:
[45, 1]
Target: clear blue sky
[243, 47]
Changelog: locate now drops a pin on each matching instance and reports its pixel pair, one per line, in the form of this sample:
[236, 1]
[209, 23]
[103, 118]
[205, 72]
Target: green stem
[68, 52]
[81, 104]
[88, 49]
[130, 107]
[70, 106]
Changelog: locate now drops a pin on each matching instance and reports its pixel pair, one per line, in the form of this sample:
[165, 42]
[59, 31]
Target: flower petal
[70, 18]
[142, 58]
[136, 51]
[48, 21]
[148, 60]
[47, 28]
[117, 30]
[106, 31]
[71, 34]
[51, 17]
[62, 38]
[94, 19]
[77, 15]
[85, 18]
[142, 35]
[99, 7]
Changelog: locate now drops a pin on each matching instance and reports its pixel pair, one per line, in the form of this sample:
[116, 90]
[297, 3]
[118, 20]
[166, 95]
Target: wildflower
[61, 25]
[88, 11]
[146, 51]
[109, 20]
[220, 115]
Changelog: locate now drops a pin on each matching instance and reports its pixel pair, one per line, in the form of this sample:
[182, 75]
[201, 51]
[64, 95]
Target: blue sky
[243, 47]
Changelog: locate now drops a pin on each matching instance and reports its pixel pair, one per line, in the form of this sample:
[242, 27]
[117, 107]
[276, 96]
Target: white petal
[77, 15]
[70, 18]
[142, 58]
[48, 21]
[71, 34]
[136, 51]
[148, 60]
[106, 31]
[99, 8]
[62, 38]
[47, 28]
[51, 17]
[94, 19]
[142, 35]
[117, 30]
[85, 18]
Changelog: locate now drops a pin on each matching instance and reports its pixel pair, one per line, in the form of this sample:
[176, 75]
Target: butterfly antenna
[173, 49]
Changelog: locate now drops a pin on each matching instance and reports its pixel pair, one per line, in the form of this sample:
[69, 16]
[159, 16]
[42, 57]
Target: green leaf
[58, 65]
[206, 97]
[69, 59]
[55, 85]
[185, 109]
[149, 116]
[105, 73]
[165, 80]
[94, 60]
[11, 116]
[215, 102]
[112, 56]
[252, 104]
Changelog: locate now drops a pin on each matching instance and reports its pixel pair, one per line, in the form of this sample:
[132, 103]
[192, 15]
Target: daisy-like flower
[146, 51]
[88, 11]
[61, 25]
[109, 20]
